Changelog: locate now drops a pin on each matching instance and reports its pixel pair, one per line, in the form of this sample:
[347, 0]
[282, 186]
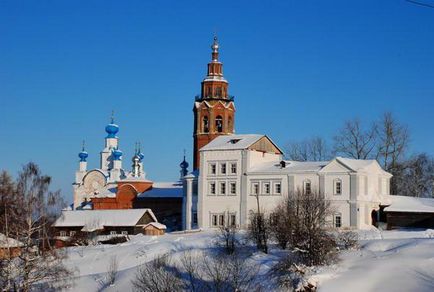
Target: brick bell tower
[214, 109]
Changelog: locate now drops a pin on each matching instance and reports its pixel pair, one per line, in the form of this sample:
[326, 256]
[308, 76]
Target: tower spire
[215, 49]
[112, 119]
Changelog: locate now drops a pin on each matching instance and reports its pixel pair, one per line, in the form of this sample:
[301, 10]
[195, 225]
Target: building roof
[163, 190]
[156, 225]
[232, 142]
[6, 242]
[355, 164]
[96, 219]
[410, 204]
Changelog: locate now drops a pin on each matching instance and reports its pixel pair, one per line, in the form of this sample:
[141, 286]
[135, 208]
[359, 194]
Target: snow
[224, 142]
[410, 204]
[398, 260]
[156, 225]
[163, 190]
[97, 219]
[355, 164]
[6, 242]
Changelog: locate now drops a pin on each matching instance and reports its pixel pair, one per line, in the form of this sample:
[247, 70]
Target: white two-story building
[236, 169]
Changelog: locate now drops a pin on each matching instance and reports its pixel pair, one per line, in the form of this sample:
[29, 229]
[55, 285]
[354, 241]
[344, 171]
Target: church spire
[215, 50]
[214, 109]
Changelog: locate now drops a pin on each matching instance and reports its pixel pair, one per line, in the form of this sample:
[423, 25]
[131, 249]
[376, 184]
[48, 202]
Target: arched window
[219, 124]
[218, 92]
[205, 124]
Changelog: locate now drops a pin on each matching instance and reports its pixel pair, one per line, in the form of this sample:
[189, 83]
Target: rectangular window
[63, 233]
[338, 188]
[194, 218]
[233, 220]
[255, 189]
[221, 220]
[223, 168]
[233, 188]
[124, 232]
[212, 188]
[278, 188]
[214, 220]
[338, 220]
[71, 233]
[233, 168]
[223, 188]
[113, 232]
[212, 168]
[266, 188]
[307, 187]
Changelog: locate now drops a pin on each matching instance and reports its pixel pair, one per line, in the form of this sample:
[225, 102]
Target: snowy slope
[387, 261]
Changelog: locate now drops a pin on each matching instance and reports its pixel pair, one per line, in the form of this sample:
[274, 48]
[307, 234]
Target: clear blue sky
[296, 68]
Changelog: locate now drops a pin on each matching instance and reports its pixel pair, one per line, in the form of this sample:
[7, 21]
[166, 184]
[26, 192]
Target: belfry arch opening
[205, 124]
[219, 124]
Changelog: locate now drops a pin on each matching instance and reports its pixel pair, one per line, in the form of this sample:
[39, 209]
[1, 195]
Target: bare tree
[227, 237]
[32, 207]
[355, 141]
[158, 276]
[393, 140]
[313, 149]
[259, 228]
[416, 177]
[303, 222]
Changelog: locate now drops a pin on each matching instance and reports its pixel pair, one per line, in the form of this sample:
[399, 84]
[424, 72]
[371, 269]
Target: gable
[335, 166]
[265, 145]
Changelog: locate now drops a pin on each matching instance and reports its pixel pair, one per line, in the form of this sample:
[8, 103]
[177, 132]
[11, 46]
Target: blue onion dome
[83, 155]
[184, 164]
[112, 129]
[117, 154]
[141, 156]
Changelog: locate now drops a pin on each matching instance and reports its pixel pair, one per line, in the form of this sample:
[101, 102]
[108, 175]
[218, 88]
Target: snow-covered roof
[410, 204]
[232, 142]
[96, 219]
[290, 166]
[6, 242]
[163, 190]
[355, 164]
[156, 225]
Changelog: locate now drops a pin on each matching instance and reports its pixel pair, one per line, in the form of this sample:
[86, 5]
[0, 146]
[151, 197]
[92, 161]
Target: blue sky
[296, 68]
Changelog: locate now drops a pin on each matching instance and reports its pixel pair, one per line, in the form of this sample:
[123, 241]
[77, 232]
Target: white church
[231, 172]
[236, 169]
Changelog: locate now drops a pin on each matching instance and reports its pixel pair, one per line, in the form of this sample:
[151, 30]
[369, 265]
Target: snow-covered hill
[387, 261]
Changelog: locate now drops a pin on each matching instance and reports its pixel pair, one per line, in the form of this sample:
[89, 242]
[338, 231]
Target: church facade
[233, 173]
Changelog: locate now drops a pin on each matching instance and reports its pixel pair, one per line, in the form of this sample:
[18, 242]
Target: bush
[347, 240]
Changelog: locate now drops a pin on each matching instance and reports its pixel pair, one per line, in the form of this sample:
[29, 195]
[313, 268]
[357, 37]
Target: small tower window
[219, 92]
[205, 124]
[219, 124]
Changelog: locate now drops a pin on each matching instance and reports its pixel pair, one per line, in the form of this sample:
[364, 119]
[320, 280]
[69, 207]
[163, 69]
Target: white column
[189, 203]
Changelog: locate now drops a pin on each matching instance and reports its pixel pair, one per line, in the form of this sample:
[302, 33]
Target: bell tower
[214, 109]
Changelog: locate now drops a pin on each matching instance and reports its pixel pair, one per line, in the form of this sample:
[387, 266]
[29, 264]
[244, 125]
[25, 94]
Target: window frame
[335, 220]
[222, 188]
[233, 188]
[266, 188]
[223, 168]
[255, 189]
[337, 182]
[212, 188]
[212, 168]
[233, 167]
[278, 188]
[63, 233]
[306, 183]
